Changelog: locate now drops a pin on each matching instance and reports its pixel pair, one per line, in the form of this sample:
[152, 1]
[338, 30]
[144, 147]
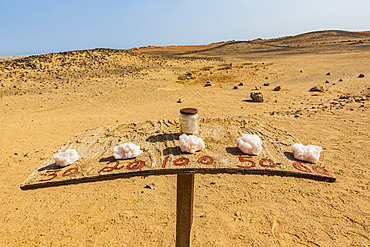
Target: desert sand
[46, 99]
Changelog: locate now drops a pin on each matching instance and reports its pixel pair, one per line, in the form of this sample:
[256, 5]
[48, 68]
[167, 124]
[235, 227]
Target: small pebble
[318, 89]
[150, 186]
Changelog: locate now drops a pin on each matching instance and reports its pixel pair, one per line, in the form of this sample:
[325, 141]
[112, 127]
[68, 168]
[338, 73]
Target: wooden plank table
[159, 140]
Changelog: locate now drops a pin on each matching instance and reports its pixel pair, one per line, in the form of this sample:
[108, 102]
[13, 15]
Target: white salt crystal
[191, 143]
[249, 144]
[126, 151]
[66, 158]
[308, 153]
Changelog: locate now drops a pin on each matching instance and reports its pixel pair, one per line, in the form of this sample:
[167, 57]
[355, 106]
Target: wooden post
[184, 213]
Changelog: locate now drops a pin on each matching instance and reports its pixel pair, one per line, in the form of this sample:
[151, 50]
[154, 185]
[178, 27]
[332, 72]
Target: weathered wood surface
[159, 140]
[184, 211]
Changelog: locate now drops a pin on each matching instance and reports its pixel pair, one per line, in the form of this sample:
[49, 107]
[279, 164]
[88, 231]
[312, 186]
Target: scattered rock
[208, 84]
[327, 81]
[361, 76]
[318, 89]
[256, 88]
[266, 77]
[359, 99]
[266, 84]
[235, 87]
[344, 96]
[278, 88]
[240, 84]
[333, 84]
[301, 71]
[328, 73]
[257, 97]
[150, 186]
[179, 101]
[340, 80]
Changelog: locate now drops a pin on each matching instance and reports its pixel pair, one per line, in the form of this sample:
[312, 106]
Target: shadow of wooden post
[184, 213]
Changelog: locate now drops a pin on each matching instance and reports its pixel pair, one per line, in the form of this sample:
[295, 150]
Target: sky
[45, 26]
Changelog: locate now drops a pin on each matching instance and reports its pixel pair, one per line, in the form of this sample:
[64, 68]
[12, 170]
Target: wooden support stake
[184, 214]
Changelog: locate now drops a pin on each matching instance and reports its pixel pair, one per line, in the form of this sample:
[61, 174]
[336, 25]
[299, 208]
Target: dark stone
[361, 76]
[150, 186]
[278, 88]
[266, 84]
[240, 84]
[257, 97]
[208, 85]
[318, 89]
[235, 87]
[328, 73]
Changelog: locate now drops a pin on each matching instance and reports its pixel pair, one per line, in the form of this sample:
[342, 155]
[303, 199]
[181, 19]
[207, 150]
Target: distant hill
[70, 69]
[52, 70]
[312, 42]
[320, 36]
[170, 50]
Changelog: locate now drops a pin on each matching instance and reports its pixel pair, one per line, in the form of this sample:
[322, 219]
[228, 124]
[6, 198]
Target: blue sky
[44, 26]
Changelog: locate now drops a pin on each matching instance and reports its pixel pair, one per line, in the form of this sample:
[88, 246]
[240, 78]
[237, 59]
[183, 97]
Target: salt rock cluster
[309, 153]
[126, 151]
[191, 143]
[249, 144]
[66, 158]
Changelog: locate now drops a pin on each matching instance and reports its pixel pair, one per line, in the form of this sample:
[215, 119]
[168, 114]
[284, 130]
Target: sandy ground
[43, 112]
